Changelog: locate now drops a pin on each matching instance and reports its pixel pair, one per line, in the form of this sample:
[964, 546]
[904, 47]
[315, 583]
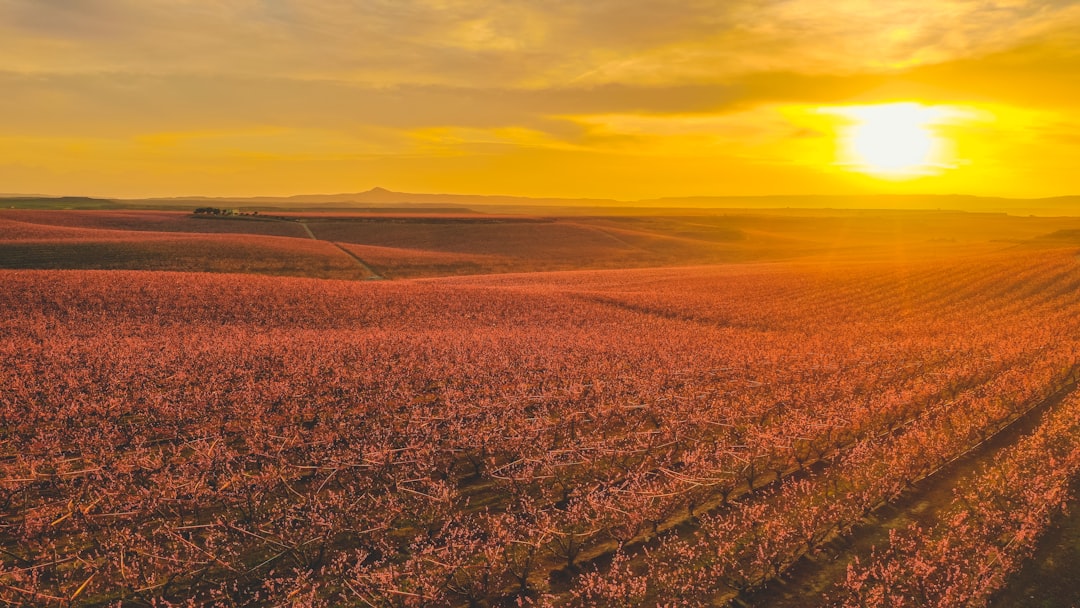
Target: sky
[626, 99]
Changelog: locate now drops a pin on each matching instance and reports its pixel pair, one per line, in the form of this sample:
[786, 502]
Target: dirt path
[308, 230]
[809, 581]
[371, 271]
[374, 275]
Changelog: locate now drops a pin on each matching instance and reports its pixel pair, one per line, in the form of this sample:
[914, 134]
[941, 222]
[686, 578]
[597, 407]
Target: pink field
[588, 438]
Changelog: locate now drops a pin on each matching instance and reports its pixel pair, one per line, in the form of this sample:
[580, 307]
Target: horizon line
[380, 190]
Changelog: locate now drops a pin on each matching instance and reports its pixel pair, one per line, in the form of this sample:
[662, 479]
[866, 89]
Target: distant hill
[382, 196]
[1068, 205]
[383, 200]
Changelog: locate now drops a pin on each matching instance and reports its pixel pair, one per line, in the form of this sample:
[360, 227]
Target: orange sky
[602, 98]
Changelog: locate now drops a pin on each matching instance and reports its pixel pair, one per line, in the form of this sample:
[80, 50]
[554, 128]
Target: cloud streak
[518, 43]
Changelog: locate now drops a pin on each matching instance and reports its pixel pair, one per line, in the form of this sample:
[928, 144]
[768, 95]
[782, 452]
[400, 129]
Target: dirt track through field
[808, 582]
[374, 275]
[308, 230]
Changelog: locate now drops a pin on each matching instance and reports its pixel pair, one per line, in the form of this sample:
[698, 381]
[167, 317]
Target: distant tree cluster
[216, 211]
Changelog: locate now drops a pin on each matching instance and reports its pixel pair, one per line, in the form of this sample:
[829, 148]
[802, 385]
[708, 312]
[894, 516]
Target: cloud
[1041, 73]
[511, 42]
[125, 104]
[167, 65]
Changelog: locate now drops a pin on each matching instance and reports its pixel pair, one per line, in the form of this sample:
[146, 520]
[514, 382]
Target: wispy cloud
[486, 42]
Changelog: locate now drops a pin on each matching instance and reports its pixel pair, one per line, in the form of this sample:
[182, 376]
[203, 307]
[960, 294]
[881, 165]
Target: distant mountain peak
[378, 190]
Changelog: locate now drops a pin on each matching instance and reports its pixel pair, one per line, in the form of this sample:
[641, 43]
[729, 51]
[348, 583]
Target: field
[767, 408]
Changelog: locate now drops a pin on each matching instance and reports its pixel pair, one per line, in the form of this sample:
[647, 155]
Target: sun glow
[896, 140]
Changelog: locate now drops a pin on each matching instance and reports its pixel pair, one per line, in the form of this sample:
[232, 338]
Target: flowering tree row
[166, 437]
[755, 540]
[992, 527]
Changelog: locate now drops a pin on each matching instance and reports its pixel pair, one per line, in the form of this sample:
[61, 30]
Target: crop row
[995, 520]
[247, 439]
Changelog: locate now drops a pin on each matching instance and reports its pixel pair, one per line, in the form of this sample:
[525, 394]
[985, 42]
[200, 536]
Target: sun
[894, 140]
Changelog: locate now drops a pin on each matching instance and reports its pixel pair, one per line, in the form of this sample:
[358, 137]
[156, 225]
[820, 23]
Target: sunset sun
[895, 140]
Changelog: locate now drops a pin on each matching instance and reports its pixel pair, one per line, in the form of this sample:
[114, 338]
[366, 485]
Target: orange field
[165, 241]
[609, 411]
[150, 221]
[413, 245]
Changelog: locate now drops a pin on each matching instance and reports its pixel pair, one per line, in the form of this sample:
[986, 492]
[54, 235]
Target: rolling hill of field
[424, 244]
